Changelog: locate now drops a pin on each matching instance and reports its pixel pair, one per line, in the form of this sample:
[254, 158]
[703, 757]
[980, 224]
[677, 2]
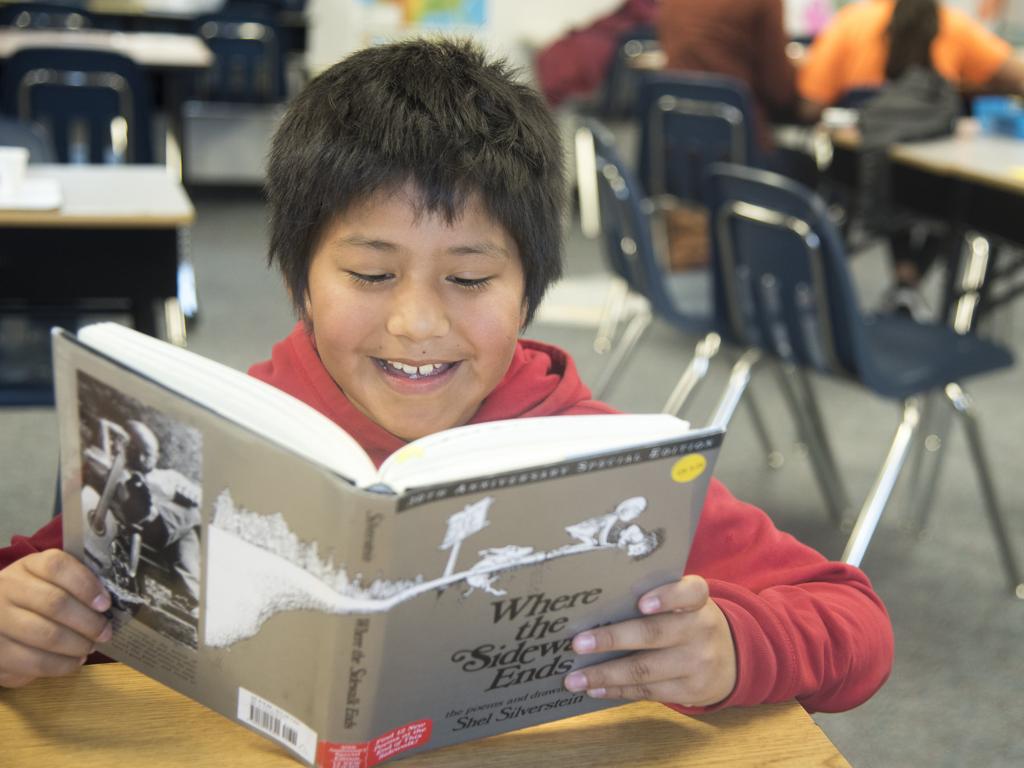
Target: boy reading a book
[416, 198]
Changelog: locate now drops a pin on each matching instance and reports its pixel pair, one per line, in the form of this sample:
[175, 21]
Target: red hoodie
[803, 627]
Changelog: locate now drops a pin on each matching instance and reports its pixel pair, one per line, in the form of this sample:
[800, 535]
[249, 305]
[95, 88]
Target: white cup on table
[13, 162]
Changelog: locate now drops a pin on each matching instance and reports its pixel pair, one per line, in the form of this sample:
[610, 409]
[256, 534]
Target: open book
[262, 565]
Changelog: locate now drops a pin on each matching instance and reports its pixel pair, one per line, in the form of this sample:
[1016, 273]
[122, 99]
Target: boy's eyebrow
[483, 247]
[365, 242]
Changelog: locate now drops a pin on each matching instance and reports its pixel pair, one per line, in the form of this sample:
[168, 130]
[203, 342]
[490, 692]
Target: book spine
[353, 661]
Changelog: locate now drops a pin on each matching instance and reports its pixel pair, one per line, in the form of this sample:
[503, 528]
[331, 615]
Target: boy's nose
[418, 313]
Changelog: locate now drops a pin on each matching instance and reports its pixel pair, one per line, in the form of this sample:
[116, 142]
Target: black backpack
[919, 105]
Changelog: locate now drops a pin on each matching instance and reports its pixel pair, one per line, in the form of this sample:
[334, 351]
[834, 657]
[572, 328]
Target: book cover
[355, 623]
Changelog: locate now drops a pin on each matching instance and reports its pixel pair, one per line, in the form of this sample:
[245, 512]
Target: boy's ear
[523, 311]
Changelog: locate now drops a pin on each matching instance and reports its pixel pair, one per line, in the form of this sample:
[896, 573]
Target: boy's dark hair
[912, 28]
[438, 114]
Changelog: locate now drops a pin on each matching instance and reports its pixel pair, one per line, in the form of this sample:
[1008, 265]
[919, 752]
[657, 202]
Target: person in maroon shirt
[416, 194]
[744, 39]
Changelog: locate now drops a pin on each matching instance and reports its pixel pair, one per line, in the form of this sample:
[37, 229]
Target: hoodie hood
[541, 381]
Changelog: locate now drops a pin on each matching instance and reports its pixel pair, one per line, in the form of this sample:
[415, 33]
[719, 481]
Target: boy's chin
[409, 432]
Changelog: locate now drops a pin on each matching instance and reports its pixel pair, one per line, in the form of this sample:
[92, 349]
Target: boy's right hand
[51, 617]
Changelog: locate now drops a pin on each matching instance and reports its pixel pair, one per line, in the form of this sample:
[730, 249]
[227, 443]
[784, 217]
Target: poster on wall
[438, 14]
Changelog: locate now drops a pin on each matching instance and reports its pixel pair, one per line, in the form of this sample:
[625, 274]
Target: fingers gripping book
[261, 564]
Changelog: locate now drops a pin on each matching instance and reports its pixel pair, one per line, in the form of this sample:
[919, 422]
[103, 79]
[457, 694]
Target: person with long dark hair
[874, 42]
[871, 41]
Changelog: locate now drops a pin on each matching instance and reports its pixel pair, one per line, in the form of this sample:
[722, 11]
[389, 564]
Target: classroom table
[115, 235]
[161, 51]
[973, 180]
[110, 715]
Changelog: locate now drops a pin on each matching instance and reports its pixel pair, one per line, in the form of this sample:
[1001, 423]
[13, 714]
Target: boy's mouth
[409, 371]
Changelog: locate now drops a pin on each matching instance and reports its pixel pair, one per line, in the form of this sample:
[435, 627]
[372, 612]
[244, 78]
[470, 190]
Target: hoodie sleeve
[50, 536]
[804, 627]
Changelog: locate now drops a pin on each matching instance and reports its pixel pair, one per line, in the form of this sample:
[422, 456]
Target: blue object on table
[999, 115]
[782, 279]
[96, 105]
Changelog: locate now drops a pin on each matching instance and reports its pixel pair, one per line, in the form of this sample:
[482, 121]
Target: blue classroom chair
[685, 300]
[689, 120]
[95, 105]
[45, 16]
[249, 56]
[781, 277]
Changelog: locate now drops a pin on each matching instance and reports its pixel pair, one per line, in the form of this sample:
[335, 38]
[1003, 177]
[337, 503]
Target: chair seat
[909, 358]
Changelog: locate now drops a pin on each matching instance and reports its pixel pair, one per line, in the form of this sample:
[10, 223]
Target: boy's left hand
[683, 650]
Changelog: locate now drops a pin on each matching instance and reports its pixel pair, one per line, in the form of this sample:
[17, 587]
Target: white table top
[154, 50]
[969, 154]
[995, 161]
[109, 196]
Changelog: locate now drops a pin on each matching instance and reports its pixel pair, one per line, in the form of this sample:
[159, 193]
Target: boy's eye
[470, 282]
[363, 279]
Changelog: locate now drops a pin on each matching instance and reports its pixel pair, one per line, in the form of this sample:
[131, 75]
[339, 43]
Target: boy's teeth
[414, 370]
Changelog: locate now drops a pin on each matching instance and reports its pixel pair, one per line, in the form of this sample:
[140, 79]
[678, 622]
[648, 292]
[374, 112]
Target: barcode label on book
[277, 724]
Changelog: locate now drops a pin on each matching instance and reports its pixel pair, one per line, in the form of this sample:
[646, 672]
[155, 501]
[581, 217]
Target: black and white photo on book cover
[141, 499]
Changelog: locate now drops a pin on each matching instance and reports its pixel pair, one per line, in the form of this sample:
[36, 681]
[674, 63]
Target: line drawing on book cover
[257, 567]
[140, 502]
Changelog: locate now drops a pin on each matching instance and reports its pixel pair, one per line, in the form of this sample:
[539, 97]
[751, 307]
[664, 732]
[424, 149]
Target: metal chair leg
[174, 322]
[693, 374]
[773, 456]
[961, 402]
[739, 380]
[824, 471]
[875, 503]
[928, 454]
[611, 315]
[817, 425]
[634, 331]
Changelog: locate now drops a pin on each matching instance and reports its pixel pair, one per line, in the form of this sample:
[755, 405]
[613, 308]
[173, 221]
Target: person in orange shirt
[853, 52]
[874, 41]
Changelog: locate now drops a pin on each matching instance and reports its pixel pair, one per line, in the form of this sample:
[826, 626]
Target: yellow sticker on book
[408, 453]
[688, 468]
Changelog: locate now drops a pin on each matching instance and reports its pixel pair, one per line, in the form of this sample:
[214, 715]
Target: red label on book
[366, 755]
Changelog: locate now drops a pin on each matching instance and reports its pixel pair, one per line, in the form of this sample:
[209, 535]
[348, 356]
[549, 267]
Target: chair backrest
[248, 56]
[689, 120]
[15, 133]
[856, 97]
[95, 105]
[625, 223]
[622, 81]
[780, 274]
[45, 16]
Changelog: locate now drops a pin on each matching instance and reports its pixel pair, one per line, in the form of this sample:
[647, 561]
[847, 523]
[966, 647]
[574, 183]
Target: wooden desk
[152, 50]
[114, 237]
[110, 715]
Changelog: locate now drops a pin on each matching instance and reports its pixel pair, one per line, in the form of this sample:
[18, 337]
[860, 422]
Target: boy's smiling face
[415, 319]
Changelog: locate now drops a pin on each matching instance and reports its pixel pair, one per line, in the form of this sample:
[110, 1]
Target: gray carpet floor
[955, 696]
